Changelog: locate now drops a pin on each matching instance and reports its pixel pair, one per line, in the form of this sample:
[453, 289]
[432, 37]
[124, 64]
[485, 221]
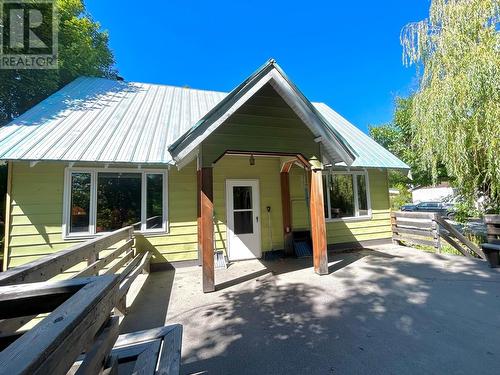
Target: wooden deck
[52, 326]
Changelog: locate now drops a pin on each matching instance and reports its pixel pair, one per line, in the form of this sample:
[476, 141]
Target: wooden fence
[423, 228]
[415, 228]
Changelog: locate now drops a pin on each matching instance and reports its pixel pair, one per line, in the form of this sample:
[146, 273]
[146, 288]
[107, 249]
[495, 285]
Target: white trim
[68, 171]
[353, 175]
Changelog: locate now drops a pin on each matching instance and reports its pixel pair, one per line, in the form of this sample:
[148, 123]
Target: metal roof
[368, 152]
[101, 120]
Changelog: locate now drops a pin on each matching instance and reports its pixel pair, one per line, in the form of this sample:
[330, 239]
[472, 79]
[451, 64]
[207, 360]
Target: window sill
[349, 219]
[76, 237]
[159, 233]
[70, 237]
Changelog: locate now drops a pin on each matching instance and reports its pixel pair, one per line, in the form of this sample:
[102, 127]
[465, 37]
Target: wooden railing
[54, 264]
[80, 335]
[422, 228]
[123, 259]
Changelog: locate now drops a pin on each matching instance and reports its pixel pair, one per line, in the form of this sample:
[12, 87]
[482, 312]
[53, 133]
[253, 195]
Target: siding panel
[36, 221]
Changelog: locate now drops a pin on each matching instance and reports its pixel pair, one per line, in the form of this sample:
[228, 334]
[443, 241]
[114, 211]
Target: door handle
[257, 218]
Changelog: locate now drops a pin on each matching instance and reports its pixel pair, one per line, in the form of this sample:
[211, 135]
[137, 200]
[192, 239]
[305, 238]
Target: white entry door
[243, 219]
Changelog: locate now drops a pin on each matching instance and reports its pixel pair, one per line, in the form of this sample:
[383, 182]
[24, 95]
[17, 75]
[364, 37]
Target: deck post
[286, 211]
[8, 208]
[318, 224]
[206, 227]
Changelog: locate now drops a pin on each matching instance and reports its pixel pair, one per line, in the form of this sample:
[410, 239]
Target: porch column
[286, 211]
[206, 227]
[318, 225]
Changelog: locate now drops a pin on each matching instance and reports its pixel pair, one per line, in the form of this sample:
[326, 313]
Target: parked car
[445, 209]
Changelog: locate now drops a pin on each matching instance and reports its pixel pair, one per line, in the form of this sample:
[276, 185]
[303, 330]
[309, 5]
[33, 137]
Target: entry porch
[246, 208]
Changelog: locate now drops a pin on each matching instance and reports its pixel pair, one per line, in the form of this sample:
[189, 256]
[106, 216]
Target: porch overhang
[334, 148]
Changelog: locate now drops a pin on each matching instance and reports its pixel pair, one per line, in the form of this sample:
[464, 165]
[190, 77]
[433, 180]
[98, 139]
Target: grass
[446, 248]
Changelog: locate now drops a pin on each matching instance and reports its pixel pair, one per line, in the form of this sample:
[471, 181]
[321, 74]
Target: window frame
[354, 175]
[69, 171]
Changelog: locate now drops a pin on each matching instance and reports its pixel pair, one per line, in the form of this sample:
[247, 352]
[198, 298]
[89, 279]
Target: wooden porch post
[206, 227]
[318, 225]
[286, 211]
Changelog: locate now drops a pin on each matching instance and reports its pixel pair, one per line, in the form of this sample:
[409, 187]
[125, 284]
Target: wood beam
[318, 225]
[206, 227]
[286, 212]
[8, 208]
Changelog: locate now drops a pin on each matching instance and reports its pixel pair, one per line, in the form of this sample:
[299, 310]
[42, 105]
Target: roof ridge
[151, 84]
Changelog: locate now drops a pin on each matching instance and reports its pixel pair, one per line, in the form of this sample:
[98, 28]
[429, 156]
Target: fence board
[416, 241]
[407, 225]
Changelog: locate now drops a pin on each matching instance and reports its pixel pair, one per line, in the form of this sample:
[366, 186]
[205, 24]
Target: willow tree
[456, 110]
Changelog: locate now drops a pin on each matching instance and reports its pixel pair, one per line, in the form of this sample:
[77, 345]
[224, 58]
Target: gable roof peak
[335, 147]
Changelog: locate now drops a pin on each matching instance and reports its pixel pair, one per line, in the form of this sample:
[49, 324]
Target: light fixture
[252, 160]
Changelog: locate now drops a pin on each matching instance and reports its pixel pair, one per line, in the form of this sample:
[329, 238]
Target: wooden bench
[146, 351]
[492, 248]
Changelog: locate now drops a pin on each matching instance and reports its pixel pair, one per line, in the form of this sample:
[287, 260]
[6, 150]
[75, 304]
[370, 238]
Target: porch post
[206, 227]
[286, 211]
[318, 225]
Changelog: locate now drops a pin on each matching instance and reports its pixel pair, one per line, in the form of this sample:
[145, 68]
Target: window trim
[68, 171]
[355, 192]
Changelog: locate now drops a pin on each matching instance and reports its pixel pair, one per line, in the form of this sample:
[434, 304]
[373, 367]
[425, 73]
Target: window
[242, 209]
[104, 200]
[80, 202]
[346, 195]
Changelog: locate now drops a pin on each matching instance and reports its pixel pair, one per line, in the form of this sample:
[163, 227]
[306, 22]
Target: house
[437, 193]
[192, 170]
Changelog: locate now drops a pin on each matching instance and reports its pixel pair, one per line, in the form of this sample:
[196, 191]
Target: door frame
[229, 216]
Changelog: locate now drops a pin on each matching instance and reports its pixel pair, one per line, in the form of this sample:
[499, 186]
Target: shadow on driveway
[396, 311]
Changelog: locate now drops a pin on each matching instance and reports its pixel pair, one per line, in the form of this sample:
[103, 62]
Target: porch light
[252, 160]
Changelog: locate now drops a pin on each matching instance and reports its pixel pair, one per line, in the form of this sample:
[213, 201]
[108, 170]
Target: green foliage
[397, 137]
[83, 51]
[456, 111]
[402, 198]
[464, 210]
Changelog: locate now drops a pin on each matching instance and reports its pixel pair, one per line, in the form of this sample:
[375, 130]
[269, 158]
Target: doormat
[302, 249]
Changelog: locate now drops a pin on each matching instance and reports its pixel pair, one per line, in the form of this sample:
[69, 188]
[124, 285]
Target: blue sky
[346, 54]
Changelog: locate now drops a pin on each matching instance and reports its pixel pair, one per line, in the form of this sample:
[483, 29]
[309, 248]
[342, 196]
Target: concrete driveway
[389, 310]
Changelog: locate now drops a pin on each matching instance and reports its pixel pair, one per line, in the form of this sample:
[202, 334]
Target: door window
[242, 209]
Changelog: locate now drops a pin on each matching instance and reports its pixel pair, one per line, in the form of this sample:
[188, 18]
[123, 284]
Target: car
[444, 209]
[408, 207]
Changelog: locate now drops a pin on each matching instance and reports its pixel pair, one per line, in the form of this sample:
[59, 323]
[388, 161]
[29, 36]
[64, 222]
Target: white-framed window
[346, 195]
[100, 200]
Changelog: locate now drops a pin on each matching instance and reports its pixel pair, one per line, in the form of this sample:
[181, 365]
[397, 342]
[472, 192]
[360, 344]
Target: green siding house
[194, 171]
